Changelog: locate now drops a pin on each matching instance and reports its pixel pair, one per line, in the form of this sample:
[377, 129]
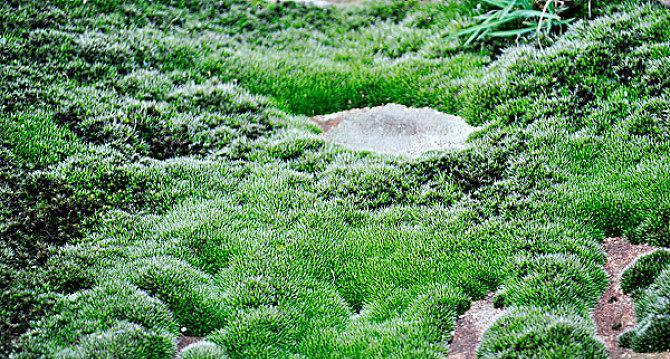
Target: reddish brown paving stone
[614, 312]
[471, 326]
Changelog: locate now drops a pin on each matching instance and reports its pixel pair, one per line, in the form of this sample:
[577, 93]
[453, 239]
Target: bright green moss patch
[644, 272]
[396, 51]
[109, 320]
[203, 350]
[652, 308]
[553, 280]
[36, 138]
[307, 83]
[535, 332]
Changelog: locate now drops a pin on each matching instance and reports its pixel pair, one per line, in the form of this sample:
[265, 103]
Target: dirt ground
[614, 312]
[185, 341]
[470, 327]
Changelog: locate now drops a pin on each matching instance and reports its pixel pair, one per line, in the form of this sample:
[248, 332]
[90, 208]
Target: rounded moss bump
[644, 272]
[652, 309]
[191, 295]
[203, 350]
[553, 280]
[124, 340]
[257, 333]
[651, 334]
[654, 229]
[626, 338]
[439, 306]
[118, 317]
[533, 332]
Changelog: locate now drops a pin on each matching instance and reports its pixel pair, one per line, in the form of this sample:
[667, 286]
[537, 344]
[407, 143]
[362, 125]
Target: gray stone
[395, 129]
[322, 3]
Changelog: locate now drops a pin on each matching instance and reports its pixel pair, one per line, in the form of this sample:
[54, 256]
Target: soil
[614, 313]
[471, 326]
[185, 340]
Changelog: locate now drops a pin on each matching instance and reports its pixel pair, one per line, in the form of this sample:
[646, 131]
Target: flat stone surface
[323, 3]
[326, 3]
[395, 129]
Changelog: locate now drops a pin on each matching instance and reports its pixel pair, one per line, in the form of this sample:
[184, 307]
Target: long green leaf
[533, 13]
[497, 3]
[520, 11]
[511, 33]
[507, 9]
[485, 26]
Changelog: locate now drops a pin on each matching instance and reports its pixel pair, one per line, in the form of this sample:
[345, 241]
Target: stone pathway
[323, 3]
[395, 129]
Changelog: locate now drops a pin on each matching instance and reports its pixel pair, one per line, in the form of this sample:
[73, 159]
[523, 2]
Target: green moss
[532, 332]
[553, 280]
[586, 64]
[192, 296]
[104, 318]
[203, 350]
[637, 278]
[260, 333]
[122, 340]
[153, 177]
[652, 309]
[36, 139]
